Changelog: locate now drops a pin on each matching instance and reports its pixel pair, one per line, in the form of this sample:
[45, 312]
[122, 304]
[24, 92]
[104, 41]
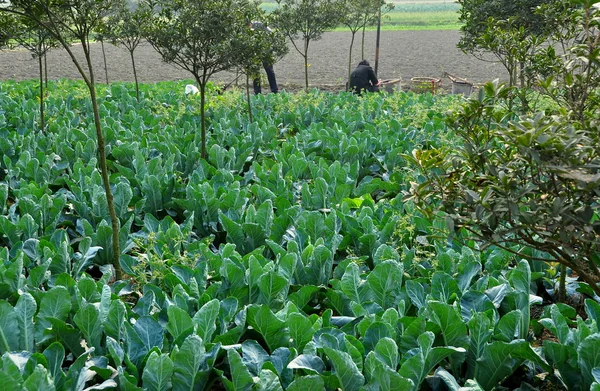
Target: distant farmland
[413, 15]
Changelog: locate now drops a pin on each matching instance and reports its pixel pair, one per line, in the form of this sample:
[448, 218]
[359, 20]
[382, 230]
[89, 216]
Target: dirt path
[403, 54]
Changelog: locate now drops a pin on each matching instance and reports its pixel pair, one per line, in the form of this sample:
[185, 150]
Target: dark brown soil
[403, 54]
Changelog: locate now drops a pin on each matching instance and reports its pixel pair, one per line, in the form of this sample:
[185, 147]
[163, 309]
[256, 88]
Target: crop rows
[289, 259]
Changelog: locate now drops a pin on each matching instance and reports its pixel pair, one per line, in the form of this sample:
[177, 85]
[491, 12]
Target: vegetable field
[290, 259]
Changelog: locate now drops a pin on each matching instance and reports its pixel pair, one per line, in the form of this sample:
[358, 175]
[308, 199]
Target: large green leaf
[67, 335]
[144, 335]
[467, 274]
[472, 303]
[87, 320]
[308, 362]
[425, 358]
[301, 330]
[235, 232]
[157, 373]
[480, 333]
[307, 383]
[416, 293]
[273, 289]
[351, 283]
[374, 333]
[451, 324]
[254, 356]
[9, 328]
[24, 311]
[123, 195]
[187, 361]
[557, 325]
[592, 309]
[55, 354]
[269, 381]
[39, 380]
[262, 319]
[385, 283]
[386, 351]
[508, 326]
[564, 358]
[500, 359]
[113, 325]
[390, 380]
[240, 376]
[588, 352]
[443, 287]
[152, 192]
[351, 379]
[3, 197]
[206, 319]
[179, 322]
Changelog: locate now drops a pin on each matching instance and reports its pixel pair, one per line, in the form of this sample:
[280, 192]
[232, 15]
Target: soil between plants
[403, 55]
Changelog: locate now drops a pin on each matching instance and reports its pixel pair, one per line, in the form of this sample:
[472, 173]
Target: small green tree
[77, 19]
[200, 37]
[306, 21]
[36, 40]
[126, 28]
[530, 182]
[572, 72]
[356, 16]
[503, 28]
[260, 45]
[371, 18]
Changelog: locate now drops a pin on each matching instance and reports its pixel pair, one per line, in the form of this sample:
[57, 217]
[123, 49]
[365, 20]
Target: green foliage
[126, 27]
[530, 183]
[204, 38]
[304, 21]
[510, 30]
[285, 260]
[65, 21]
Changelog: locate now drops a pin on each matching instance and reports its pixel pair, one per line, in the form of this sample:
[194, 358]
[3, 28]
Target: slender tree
[357, 15]
[126, 28]
[370, 16]
[259, 46]
[77, 19]
[36, 40]
[100, 37]
[304, 21]
[201, 37]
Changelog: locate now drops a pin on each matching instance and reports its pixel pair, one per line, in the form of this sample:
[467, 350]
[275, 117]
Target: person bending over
[363, 78]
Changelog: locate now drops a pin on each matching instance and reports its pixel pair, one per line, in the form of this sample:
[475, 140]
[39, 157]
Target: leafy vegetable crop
[286, 260]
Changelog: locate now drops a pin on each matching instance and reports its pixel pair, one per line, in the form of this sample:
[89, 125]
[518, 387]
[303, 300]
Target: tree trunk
[104, 57]
[363, 43]
[137, 86]
[41, 65]
[248, 98]
[114, 220]
[305, 72]
[46, 70]
[203, 152]
[350, 62]
[305, 55]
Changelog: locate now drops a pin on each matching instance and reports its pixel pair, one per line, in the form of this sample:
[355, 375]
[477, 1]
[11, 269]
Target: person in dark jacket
[363, 78]
[267, 65]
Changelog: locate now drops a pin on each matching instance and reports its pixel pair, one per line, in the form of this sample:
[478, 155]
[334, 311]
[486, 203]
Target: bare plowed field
[403, 54]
